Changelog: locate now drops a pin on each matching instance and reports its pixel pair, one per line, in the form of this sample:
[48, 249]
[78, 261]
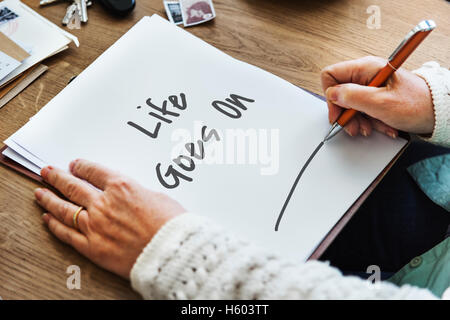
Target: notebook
[224, 138]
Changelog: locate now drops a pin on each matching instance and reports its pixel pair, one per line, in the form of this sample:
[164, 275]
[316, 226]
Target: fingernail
[364, 132]
[45, 217]
[392, 134]
[71, 165]
[348, 131]
[38, 193]
[45, 171]
[331, 94]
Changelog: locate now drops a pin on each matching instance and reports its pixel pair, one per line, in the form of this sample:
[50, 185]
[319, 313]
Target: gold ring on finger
[75, 217]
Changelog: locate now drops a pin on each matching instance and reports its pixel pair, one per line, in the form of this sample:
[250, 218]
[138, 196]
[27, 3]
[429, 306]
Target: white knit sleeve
[192, 258]
[438, 80]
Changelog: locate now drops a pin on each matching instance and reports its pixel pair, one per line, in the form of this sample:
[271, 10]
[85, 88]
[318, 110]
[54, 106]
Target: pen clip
[423, 26]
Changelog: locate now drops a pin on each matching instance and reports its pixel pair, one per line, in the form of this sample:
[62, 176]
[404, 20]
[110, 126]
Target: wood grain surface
[292, 39]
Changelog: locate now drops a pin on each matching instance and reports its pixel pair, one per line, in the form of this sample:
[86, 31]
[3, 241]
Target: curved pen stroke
[295, 185]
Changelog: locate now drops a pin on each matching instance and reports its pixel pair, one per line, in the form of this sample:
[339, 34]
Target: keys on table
[76, 7]
[82, 9]
[71, 10]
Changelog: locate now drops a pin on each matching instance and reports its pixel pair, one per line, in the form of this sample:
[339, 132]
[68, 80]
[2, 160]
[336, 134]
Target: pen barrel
[346, 116]
[408, 49]
[382, 76]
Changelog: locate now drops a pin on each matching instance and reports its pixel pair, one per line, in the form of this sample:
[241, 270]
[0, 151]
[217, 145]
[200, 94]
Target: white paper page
[10, 153]
[24, 153]
[39, 34]
[7, 64]
[147, 63]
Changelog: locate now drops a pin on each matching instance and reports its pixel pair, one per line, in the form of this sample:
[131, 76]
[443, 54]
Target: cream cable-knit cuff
[438, 80]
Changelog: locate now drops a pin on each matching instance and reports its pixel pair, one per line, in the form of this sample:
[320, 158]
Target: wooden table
[292, 39]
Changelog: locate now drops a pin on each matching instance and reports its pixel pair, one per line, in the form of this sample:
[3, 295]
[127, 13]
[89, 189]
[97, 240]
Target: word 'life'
[161, 114]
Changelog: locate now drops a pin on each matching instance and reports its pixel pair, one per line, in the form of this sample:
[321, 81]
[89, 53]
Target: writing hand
[119, 219]
[404, 103]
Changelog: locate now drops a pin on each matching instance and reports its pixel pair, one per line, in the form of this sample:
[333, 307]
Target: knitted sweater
[438, 80]
[192, 258]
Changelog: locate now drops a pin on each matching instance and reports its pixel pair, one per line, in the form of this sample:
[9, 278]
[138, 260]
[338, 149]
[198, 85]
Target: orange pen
[403, 51]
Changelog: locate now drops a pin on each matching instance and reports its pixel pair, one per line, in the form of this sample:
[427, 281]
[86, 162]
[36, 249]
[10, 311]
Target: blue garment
[433, 177]
[430, 270]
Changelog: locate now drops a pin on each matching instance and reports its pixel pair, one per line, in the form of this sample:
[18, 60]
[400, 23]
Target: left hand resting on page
[119, 219]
